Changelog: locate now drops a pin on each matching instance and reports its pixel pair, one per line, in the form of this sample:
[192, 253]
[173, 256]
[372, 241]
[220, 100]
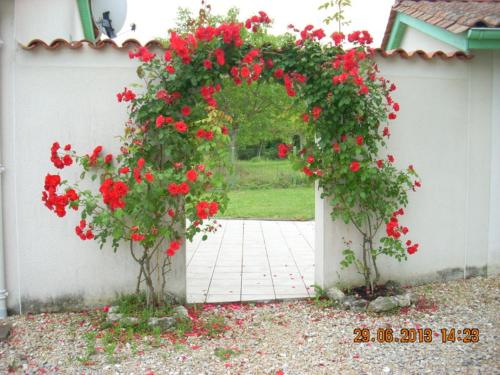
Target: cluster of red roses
[142, 54]
[59, 162]
[183, 188]
[82, 233]
[167, 97]
[309, 34]
[185, 46]
[173, 247]
[254, 21]
[250, 70]
[395, 230]
[348, 63]
[113, 193]
[316, 112]
[126, 95]
[205, 209]
[360, 37]
[95, 154]
[54, 201]
[207, 93]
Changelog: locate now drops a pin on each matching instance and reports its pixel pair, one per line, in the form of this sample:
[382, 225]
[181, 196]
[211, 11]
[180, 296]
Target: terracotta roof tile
[455, 16]
[133, 43]
[58, 43]
[424, 55]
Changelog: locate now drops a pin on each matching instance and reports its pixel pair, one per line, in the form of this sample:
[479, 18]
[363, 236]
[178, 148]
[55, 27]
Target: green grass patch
[266, 174]
[290, 204]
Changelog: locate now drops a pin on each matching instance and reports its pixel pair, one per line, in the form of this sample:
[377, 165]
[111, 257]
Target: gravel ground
[289, 337]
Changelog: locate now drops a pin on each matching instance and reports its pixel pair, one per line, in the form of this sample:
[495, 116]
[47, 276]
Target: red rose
[137, 237]
[245, 72]
[337, 38]
[160, 120]
[412, 249]
[363, 90]
[316, 111]
[181, 126]
[219, 56]
[207, 64]
[283, 150]
[307, 171]
[183, 188]
[191, 175]
[173, 189]
[359, 140]
[390, 158]
[186, 110]
[392, 116]
[67, 160]
[149, 176]
[354, 166]
[72, 195]
[380, 163]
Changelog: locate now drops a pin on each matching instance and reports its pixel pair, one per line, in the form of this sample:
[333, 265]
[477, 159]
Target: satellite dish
[109, 16]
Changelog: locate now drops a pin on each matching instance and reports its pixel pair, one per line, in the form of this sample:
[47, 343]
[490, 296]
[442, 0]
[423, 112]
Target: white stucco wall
[494, 235]
[414, 39]
[47, 20]
[444, 129]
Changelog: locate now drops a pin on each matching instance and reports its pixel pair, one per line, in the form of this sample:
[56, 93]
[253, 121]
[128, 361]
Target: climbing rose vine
[349, 106]
[175, 141]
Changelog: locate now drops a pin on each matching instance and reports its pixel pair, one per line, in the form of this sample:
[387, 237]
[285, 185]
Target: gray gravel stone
[181, 311]
[164, 323]
[403, 300]
[113, 309]
[354, 304]
[335, 294]
[114, 317]
[381, 304]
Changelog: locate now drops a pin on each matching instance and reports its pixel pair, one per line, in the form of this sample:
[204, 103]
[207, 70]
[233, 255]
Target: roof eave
[401, 21]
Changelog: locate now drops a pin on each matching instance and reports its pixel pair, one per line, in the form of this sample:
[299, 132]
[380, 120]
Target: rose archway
[173, 146]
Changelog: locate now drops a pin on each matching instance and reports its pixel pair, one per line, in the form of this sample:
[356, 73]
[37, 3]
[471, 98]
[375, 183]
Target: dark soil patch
[380, 291]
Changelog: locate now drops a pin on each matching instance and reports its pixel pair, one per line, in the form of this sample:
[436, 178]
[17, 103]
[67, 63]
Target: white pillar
[329, 244]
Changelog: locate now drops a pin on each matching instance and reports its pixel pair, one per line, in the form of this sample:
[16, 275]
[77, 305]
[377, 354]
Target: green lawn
[266, 174]
[290, 203]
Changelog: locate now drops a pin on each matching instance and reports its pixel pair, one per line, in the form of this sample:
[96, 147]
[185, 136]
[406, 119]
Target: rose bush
[175, 141]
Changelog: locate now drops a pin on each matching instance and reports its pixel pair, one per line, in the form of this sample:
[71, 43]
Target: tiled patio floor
[251, 260]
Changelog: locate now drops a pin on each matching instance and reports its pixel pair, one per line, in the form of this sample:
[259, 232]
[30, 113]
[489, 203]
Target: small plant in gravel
[90, 347]
[225, 353]
[320, 298]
